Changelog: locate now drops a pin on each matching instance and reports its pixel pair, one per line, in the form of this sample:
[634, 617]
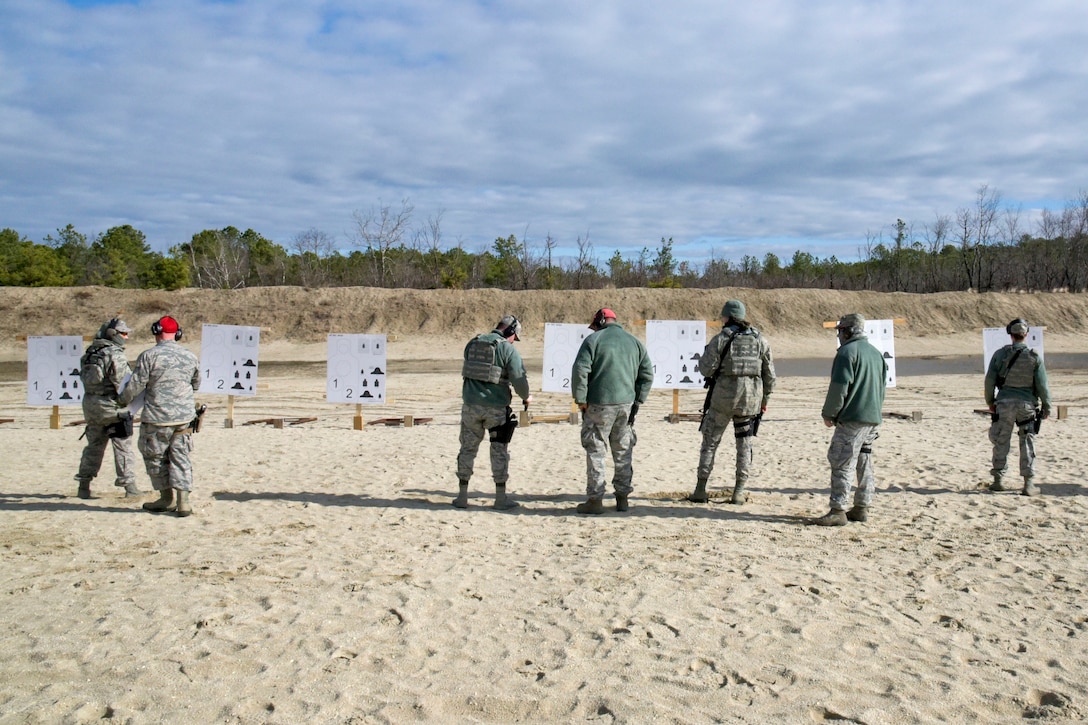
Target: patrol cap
[1018, 327]
[509, 324]
[734, 309]
[118, 324]
[852, 321]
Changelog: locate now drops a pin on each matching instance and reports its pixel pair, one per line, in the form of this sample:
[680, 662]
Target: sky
[734, 128]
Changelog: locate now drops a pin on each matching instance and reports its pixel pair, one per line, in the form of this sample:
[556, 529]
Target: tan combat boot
[165, 501]
[834, 517]
[183, 504]
[592, 506]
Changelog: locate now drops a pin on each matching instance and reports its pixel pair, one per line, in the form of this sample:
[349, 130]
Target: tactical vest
[744, 358]
[1022, 372]
[480, 361]
[93, 373]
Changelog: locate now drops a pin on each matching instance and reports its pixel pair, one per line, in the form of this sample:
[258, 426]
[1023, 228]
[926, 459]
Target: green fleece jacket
[611, 367]
[858, 377]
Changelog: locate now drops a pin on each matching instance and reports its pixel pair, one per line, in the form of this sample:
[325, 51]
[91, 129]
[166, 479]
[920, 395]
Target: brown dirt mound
[303, 315]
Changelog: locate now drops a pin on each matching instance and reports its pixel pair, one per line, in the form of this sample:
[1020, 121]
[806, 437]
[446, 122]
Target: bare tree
[428, 242]
[313, 248]
[936, 238]
[584, 267]
[381, 229]
[977, 227]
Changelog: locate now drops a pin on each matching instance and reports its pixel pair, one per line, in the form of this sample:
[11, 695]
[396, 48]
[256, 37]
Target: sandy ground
[325, 578]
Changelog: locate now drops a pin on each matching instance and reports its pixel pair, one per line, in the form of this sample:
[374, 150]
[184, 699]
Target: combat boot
[183, 504]
[164, 503]
[132, 490]
[834, 517]
[621, 502]
[1030, 489]
[461, 501]
[740, 496]
[84, 489]
[592, 506]
[699, 494]
[502, 501]
[858, 514]
[998, 485]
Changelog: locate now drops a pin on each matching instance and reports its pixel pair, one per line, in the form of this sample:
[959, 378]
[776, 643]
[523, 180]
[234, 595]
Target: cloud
[626, 121]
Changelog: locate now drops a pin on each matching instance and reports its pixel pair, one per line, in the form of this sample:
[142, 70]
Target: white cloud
[628, 121]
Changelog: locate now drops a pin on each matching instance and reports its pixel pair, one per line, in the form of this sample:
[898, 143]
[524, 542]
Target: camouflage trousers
[604, 427]
[166, 455]
[476, 421]
[850, 455]
[124, 457]
[714, 425]
[1018, 414]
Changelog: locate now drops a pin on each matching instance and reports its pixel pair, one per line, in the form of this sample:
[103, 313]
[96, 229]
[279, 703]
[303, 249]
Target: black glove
[634, 412]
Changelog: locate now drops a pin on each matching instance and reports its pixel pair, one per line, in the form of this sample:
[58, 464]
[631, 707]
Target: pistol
[195, 425]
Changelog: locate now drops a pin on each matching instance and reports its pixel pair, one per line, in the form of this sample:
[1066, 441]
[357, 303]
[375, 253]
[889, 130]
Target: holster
[122, 428]
[504, 433]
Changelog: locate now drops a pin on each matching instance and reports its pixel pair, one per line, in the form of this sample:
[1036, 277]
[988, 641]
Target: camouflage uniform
[486, 405]
[103, 368]
[169, 374]
[744, 380]
[1014, 403]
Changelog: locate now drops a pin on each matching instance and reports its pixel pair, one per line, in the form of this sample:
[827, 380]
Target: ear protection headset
[156, 327]
[598, 320]
[1020, 320]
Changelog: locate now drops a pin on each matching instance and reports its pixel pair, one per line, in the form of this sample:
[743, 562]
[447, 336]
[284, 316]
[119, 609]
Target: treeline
[980, 248]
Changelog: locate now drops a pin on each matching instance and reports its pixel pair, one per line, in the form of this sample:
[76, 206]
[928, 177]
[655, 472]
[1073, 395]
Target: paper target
[355, 369]
[675, 347]
[52, 370]
[561, 343]
[995, 338]
[229, 359]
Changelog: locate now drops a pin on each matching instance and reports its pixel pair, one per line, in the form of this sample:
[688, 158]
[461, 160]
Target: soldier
[611, 377]
[739, 370]
[492, 365]
[103, 369]
[169, 375]
[853, 406]
[1018, 376]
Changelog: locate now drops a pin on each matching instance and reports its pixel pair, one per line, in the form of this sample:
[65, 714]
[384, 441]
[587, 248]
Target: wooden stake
[357, 421]
[54, 418]
[229, 422]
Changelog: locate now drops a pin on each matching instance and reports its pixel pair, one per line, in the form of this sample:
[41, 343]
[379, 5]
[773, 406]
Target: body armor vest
[480, 361]
[1021, 374]
[743, 359]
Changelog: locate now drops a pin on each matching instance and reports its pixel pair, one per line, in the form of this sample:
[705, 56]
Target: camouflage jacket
[169, 375]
